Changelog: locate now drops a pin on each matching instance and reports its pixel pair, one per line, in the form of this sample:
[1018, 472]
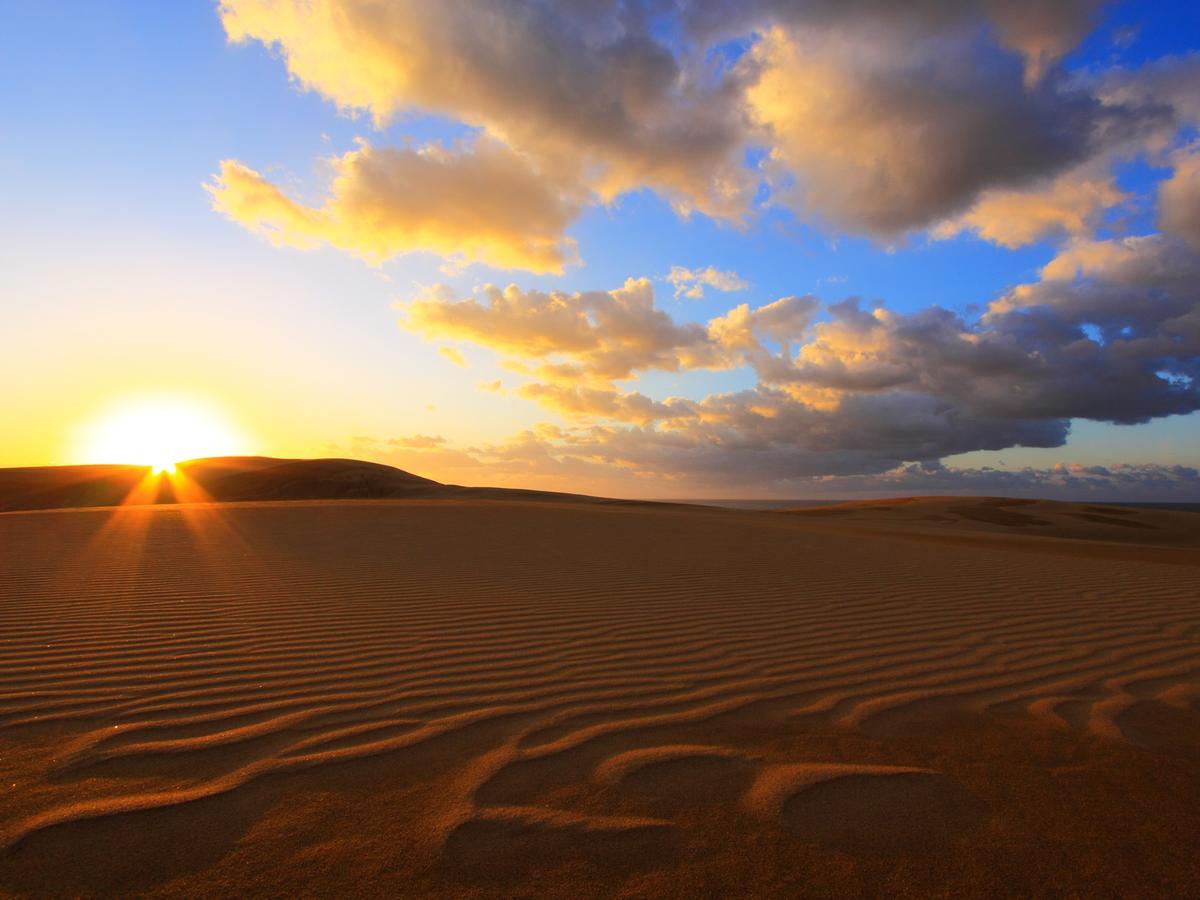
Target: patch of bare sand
[531, 699]
[1104, 522]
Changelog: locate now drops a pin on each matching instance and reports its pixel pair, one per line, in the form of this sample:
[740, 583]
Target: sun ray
[159, 432]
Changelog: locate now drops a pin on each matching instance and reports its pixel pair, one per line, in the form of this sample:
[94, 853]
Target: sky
[641, 249]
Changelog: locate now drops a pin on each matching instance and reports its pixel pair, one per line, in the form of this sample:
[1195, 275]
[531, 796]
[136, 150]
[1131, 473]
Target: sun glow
[159, 432]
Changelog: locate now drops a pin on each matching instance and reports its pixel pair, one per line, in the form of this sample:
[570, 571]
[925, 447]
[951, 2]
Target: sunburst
[159, 432]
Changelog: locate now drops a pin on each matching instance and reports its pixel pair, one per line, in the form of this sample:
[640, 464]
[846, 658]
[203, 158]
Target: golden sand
[488, 698]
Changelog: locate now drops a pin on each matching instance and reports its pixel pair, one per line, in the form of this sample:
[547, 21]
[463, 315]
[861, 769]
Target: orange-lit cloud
[1042, 32]
[601, 403]
[418, 441]
[596, 336]
[1110, 331]
[482, 204]
[453, 354]
[872, 134]
[558, 81]
[871, 118]
[877, 118]
[1071, 204]
[1179, 197]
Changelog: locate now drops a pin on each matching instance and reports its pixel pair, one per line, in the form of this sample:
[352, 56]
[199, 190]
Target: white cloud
[692, 282]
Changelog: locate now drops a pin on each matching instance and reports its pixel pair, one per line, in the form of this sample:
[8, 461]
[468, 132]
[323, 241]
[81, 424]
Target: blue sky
[120, 278]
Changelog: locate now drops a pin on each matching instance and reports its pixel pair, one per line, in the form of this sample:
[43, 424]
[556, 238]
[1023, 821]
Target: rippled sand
[470, 698]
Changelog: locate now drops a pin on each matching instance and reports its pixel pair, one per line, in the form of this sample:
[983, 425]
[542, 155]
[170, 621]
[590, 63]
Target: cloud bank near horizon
[540, 457]
[1110, 331]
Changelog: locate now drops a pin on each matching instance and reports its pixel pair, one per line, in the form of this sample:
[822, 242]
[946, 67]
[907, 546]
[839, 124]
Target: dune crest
[237, 479]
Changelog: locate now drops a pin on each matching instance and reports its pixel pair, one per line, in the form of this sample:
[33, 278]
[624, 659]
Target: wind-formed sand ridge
[526, 684]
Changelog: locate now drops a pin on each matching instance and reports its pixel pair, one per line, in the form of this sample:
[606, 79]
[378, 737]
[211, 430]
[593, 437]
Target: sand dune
[1028, 518]
[483, 698]
[1099, 530]
[237, 479]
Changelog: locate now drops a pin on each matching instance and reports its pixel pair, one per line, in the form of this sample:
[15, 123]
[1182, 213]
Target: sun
[159, 432]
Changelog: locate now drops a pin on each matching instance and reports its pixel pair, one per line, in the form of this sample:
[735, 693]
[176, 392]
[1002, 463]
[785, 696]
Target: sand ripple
[541, 679]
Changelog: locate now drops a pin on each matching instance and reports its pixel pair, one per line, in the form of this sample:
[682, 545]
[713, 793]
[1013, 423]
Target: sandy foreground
[485, 698]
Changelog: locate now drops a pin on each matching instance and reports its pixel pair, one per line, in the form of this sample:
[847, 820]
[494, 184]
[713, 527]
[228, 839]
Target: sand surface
[494, 699]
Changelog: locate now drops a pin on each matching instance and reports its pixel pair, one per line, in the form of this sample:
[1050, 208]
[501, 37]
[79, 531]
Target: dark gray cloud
[1110, 334]
[1171, 83]
[1042, 32]
[1143, 482]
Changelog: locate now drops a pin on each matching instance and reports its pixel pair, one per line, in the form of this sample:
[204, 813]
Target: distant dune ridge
[1018, 520]
[543, 695]
[233, 478]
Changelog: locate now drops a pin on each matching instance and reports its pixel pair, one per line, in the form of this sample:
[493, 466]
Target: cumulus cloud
[1040, 32]
[869, 116]
[1171, 83]
[692, 282]
[1070, 204]
[604, 403]
[1128, 288]
[482, 204]
[591, 336]
[583, 87]
[1111, 331]
[768, 434]
[850, 397]
[578, 346]
[1179, 197]
[879, 137]
[1033, 355]
[878, 118]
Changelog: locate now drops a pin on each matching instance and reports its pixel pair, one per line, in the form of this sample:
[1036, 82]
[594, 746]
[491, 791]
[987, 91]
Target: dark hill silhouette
[241, 478]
